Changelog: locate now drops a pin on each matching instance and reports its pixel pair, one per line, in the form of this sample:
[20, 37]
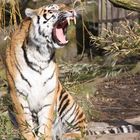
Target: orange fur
[17, 40]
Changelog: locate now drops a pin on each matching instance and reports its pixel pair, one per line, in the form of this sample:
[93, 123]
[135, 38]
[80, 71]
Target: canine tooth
[68, 20]
[74, 19]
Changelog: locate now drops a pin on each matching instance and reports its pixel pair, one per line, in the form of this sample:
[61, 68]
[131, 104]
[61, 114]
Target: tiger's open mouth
[60, 30]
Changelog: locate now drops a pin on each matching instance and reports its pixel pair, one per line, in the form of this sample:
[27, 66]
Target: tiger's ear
[30, 12]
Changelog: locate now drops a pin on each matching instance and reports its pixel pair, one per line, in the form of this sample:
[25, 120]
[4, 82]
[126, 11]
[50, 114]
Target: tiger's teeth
[68, 20]
[74, 19]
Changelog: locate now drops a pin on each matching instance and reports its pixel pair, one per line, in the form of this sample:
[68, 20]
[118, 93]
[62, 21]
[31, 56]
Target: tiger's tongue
[60, 35]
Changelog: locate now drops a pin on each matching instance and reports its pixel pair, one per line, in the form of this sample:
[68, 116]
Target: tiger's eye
[50, 11]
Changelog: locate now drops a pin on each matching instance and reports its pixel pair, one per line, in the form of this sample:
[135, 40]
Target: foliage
[123, 44]
[75, 72]
[121, 48]
[6, 129]
[9, 13]
[122, 51]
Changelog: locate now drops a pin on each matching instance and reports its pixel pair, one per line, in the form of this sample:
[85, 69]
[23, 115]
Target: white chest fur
[33, 85]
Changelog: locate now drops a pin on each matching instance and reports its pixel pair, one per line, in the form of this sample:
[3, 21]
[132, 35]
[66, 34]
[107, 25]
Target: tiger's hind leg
[24, 119]
[72, 121]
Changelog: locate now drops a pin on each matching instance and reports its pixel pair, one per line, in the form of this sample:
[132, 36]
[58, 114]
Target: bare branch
[127, 4]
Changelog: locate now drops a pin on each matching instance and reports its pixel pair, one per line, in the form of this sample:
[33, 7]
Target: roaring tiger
[42, 108]
[32, 75]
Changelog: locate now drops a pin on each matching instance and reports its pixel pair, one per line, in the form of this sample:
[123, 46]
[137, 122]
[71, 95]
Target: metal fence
[103, 15]
[109, 16]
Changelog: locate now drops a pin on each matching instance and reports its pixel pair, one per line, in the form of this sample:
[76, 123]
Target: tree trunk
[127, 4]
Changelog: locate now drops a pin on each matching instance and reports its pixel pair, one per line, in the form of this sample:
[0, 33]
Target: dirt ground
[118, 98]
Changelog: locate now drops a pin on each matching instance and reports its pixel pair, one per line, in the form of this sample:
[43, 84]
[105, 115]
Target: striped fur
[112, 130]
[32, 75]
[42, 108]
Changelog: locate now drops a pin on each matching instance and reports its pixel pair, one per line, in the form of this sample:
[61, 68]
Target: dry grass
[9, 13]
[120, 46]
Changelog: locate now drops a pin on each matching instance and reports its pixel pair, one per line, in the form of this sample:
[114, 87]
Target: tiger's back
[17, 40]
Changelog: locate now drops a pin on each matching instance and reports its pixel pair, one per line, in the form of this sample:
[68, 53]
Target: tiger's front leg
[45, 117]
[46, 114]
[22, 113]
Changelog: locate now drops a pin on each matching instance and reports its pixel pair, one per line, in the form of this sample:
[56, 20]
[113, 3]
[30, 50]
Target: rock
[135, 121]
[130, 136]
[100, 126]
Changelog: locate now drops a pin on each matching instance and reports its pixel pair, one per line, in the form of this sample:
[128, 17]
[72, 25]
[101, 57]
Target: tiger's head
[49, 24]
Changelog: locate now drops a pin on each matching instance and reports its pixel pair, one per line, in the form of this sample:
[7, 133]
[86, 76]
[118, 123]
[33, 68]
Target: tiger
[42, 108]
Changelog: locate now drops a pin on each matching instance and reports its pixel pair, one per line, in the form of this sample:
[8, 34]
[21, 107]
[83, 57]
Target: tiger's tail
[112, 130]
